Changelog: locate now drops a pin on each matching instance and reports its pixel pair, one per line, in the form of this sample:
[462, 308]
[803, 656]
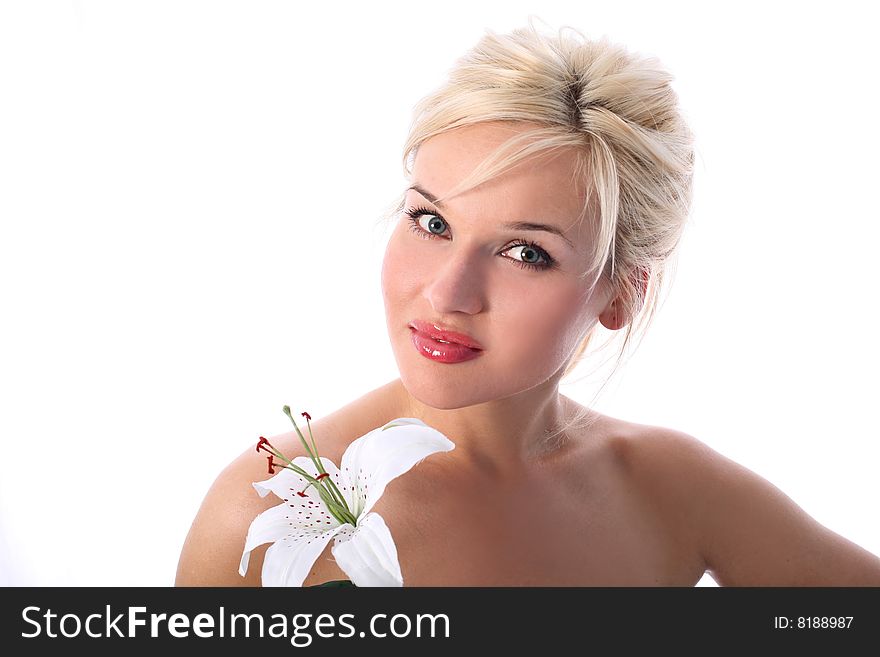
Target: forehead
[542, 186]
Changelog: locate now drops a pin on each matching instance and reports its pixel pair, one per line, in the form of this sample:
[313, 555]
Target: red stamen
[262, 445]
[322, 475]
[271, 465]
[301, 494]
[306, 415]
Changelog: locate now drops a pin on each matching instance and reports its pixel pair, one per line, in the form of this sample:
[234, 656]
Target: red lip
[441, 352]
[439, 332]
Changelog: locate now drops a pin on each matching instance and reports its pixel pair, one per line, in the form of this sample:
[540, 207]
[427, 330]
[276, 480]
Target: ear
[615, 316]
[612, 318]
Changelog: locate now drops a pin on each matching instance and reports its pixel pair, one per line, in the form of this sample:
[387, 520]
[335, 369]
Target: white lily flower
[302, 525]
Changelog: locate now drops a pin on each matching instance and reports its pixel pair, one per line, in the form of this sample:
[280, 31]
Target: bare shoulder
[747, 530]
[213, 547]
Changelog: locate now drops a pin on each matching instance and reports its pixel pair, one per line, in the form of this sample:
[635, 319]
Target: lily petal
[298, 522]
[383, 454]
[401, 421]
[288, 562]
[367, 553]
[271, 525]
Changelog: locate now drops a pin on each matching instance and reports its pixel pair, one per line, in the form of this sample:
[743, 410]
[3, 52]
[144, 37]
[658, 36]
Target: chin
[442, 392]
[448, 391]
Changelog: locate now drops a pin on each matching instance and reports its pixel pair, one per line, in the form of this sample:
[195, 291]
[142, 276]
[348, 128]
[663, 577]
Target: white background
[188, 194]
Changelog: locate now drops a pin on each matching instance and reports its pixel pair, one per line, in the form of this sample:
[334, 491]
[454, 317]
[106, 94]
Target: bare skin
[568, 520]
[622, 504]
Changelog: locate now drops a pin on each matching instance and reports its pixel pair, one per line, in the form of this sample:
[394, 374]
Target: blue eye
[439, 224]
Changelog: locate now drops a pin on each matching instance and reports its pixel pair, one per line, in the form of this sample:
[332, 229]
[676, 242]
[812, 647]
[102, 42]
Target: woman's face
[466, 271]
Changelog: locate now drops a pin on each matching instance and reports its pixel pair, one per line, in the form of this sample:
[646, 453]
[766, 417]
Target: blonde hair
[634, 151]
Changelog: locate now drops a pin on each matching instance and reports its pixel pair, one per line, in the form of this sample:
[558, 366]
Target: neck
[500, 436]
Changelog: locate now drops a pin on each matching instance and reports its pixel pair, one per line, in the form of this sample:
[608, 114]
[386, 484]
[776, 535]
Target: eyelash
[415, 213]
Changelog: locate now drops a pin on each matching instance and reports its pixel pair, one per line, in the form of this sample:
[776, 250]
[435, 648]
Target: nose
[455, 286]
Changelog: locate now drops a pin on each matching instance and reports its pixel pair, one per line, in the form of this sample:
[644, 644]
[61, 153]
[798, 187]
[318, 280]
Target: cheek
[546, 325]
[399, 271]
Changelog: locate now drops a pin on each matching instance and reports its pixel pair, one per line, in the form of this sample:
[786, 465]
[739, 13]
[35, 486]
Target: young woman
[550, 182]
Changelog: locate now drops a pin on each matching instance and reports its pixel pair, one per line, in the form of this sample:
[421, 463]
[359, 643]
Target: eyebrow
[515, 225]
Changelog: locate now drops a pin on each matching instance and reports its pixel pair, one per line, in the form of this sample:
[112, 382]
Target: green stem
[314, 446]
[292, 466]
[318, 465]
[338, 497]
